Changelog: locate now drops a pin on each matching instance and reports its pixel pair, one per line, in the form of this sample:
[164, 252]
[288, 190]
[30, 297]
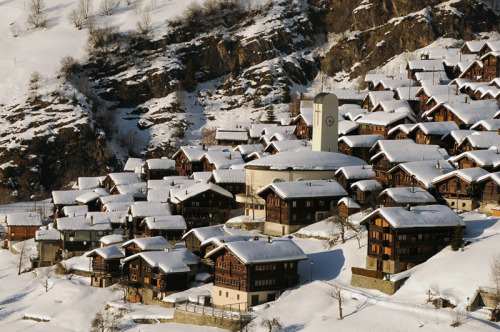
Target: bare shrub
[69, 66]
[457, 317]
[15, 29]
[144, 26]
[271, 324]
[336, 293]
[332, 240]
[37, 21]
[36, 6]
[63, 270]
[76, 18]
[102, 37]
[85, 8]
[208, 136]
[109, 7]
[495, 272]
[105, 321]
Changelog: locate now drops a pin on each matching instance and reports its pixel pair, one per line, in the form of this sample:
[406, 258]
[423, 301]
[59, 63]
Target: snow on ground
[70, 305]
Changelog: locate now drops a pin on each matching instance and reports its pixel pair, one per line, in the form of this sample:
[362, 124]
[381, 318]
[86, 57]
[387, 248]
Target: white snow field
[70, 305]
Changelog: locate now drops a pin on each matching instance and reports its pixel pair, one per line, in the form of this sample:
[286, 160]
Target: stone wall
[184, 317]
[384, 286]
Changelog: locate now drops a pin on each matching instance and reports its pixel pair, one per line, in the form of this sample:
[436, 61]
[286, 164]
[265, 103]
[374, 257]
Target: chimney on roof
[498, 131]
[167, 249]
[412, 189]
[438, 165]
[256, 238]
[309, 183]
[203, 147]
[408, 207]
[465, 99]
[91, 221]
[268, 239]
[230, 156]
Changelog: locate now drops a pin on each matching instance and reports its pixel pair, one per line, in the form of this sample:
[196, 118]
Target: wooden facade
[157, 174]
[491, 67]
[303, 130]
[393, 250]
[458, 191]
[359, 152]
[206, 208]
[442, 113]
[21, 233]
[186, 167]
[490, 192]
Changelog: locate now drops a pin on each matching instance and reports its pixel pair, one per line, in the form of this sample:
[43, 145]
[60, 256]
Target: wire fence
[212, 311]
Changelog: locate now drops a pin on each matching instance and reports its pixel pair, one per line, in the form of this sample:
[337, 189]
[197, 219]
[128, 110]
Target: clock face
[330, 121]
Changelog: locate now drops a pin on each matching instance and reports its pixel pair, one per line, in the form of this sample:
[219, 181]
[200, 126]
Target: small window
[227, 294]
[220, 293]
[237, 296]
[294, 204]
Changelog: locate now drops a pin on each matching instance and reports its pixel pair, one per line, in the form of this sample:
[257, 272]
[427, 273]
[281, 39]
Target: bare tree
[36, 6]
[332, 240]
[144, 26]
[108, 7]
[36, 17]
[22, 250]
[336, 293]
[344, 224]
[251, 194]
[44, 279]
[495, 272]
[358, 235]
[271, 324]
[105, 321]
[457, 317]
[85, 8]
[76, 18]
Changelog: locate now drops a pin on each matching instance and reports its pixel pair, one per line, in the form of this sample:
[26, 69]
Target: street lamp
[312, 263]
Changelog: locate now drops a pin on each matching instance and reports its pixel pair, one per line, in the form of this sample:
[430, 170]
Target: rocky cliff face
[148, 94]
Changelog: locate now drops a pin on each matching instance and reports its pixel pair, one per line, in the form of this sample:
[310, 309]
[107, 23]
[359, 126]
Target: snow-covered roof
[132, 164]
[426, 65]
[89, 197]
[229, 175]
[349, 94]
[391, 76]
[467, 174]
[413, 153]
[383, 118]
[426, 171]
[113, 239]
[194, 190]
[220, 240]
[168, 262]
[399, 106]
[155, 243]
[160, 164]
[278, 129]
[202, 176]
[436, 128]
[407, 93]
[117, 217]
[110, 252]
[222, 159]
[408, 195]
[67, 197]
[360, 141]
[75, 210]
[377, 96]
[304, 189]
[246, 149]
[363, 172]
[137, 190]
[90, 182]
[459, 135]
[30, 219]
[255, 252]
[305, 160]
[405, 127]
[117, 206]
[436, 76]
[349, 202]
[448, 98]
[81, 224]
[433, 90]
[257, 130]
[125, 178]
[418, 216]
[50, 234]
[149, 209]
[367, 185]
[117, 199]
[231, 135]
[389, 84]
[203, 233]
[352, 113]
[472, 112]
[474, 45]
[290, 145]
[176, 222]
[159, 195]
[483, 139]
[484, 158]
[346, 126]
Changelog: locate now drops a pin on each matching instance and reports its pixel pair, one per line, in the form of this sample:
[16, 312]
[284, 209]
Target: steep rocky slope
[219, 61]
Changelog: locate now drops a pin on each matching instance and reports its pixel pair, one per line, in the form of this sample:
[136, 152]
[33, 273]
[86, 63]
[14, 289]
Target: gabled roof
[137, 190]
[149, 209]
[448, 98]
[426, 65]
[93, 182]
[425, 216]
[113, 239]
[75, 210]
[418, 152]
[202, 176]
[349, 202]
[255, 252]
[407, 93]
[133, 164]
[363, 172]
[49, 235]
[176, 222]
[470, 113]
[391, 76]
[432, 90]
[220, 240]
[67, 197]
[82, 224]
[199, 188]
[467, 174]
[473, 45]
[168, 262]
[160, 164]
[494, 46]
[492, 176]
[384, 118]
[484, 158]
[257, 130]
[246, 149]
[19, 219]
[117, 206]
[305, 189]
[231, 135]
[89, 197]
[389, 84]
[436, 128]
[223, 159]
[459, 135]
[377, 96]
[155, 243]
[110, 252]
[118, 217]
[471, 65]
[367, 185]
[482, 139]
[425, 171]
[125, 178]
[289, 145]
[228, 176]
[408, 195]
[349, 94]
[436, 76]
[346, 126]
[306, 115]
[203, 233]
[405, 128]
[400, 106]
[360, 141]
[117, 199]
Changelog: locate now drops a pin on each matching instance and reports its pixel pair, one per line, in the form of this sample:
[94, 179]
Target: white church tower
[325, 122]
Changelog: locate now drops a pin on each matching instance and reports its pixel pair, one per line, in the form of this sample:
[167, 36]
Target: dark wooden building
[196, 236]
[105, 266]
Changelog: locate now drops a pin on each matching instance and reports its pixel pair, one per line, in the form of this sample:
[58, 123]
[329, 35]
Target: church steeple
[325, 122]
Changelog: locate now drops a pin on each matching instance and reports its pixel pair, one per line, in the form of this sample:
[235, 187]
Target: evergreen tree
[189, 79]
[286, 94]
[457, 239]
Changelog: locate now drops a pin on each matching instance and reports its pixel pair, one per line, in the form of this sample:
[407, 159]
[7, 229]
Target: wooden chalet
[400, 132]
[79, 234]
[304, 125]
[141, 210]
[346, 206]
[474, 71]
[472, 46]
[48, 247]
[295, 204]
[170, 227]
[249, 273]
[156, 169]
[404, 196]
[62, 198]
[187, 159]
[105, 266]
[379, 123]
[247, 149]
[348, 175]
[453, 140]
[487, 125]
[366, 191]
[419, 173]
[488, 160]
[489, 47]
[232, 180]
[195, 237]
[138, 245]
[202, 204]
[417, 66]
[479, 141]
[232, 137]
[489, 185]
[400, 238]
[113, 180]
[432, 132]
[358, 145]
[212, 160]
[373, 98]
[459, 188]
[22, 226]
